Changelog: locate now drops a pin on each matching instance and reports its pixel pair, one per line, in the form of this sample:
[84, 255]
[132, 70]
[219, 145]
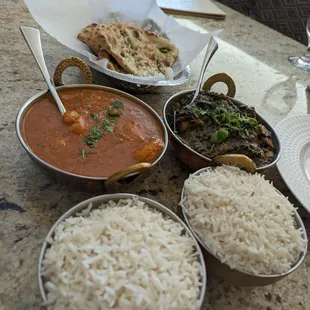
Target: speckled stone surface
[30, 202]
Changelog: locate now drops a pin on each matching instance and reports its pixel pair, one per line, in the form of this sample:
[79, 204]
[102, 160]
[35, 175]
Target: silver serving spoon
[211, 50]
[33, 40]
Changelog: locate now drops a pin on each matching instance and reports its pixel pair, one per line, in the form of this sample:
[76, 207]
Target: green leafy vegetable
[40, 144]
[94, 116]
[164, 50]
[219, 136]
[112, 120]
[84, 154]
[96, 132]
[94, 135]
[230, 120]
[114, 112]
[107, 127]
[117, 105]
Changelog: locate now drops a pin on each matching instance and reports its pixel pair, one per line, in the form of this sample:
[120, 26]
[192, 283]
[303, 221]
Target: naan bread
[112, 64]
[88, 36]
[137, 51]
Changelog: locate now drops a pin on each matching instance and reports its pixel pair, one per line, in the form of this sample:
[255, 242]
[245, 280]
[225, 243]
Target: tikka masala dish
[101, 132]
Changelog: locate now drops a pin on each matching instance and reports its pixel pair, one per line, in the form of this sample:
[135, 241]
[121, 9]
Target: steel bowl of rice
[250, 233]
[121, 251]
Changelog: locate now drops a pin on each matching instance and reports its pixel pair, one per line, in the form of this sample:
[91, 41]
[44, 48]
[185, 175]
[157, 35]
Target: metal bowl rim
[276, 159]
[184, 77]
[297, 218]
[117, 196]
[31, 101]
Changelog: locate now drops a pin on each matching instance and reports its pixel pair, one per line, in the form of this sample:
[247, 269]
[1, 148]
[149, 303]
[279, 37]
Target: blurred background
[286, 16]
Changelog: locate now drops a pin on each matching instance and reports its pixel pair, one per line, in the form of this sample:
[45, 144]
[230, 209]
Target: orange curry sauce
[116, 132]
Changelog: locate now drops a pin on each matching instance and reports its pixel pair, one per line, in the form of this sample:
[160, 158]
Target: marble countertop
[30, 202]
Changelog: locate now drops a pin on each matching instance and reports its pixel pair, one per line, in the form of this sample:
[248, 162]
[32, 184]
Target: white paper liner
[64, 19]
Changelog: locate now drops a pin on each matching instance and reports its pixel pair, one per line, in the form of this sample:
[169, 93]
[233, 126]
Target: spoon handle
[308, 32]
[33, 40]
[211, 49]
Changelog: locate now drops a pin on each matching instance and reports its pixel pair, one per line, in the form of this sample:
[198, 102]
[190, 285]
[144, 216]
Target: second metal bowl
[189, 156]
[236, 276]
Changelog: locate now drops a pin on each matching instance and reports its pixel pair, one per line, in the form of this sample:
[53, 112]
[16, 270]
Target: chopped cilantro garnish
[84, 154]
[107, 127]
[40, 144]
[94, 116]
[229, 120]
[117, 105]
[114, 112]
[94, 135]
[96, 132]
[112, 120]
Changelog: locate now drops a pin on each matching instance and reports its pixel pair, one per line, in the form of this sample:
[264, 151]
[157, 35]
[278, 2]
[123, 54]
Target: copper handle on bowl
[221, 78]
[72, 62]
[238, 160]
[113, 181]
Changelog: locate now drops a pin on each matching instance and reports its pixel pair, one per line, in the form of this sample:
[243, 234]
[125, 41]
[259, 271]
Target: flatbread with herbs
[112, 64]
[89, 36]
[138, 51]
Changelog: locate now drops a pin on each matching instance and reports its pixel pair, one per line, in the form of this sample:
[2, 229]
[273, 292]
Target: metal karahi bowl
[236, 276]
[96, 201]
[190, 157]
[127, 84]
[122, 179]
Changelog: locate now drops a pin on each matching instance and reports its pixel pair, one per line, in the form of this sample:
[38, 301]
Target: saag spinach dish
[214, 125]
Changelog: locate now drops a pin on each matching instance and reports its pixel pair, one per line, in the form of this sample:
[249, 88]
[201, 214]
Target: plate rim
[278, 164]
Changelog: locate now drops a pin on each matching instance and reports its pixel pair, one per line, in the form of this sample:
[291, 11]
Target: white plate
[294, 164]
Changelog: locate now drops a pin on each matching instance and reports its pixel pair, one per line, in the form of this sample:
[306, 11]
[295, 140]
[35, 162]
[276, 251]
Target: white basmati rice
[122, 255]
[243, 220]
